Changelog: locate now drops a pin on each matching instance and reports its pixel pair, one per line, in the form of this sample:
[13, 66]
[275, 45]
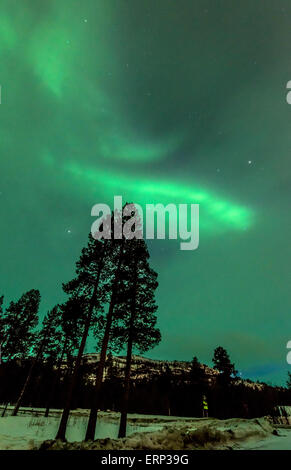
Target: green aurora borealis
[157, 101]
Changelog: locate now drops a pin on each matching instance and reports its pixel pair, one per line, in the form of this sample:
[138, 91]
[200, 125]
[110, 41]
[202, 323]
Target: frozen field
[29, 428]
[281, 442]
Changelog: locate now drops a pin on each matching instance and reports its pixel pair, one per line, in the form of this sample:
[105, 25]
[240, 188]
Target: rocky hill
[143, 367]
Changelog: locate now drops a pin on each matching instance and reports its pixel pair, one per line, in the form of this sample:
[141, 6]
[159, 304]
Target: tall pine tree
[138, 327]
[19, 322]
[87, 289]
[46, 339]
[117, 256]
[120, 258]
[222, 363]
[68, 343]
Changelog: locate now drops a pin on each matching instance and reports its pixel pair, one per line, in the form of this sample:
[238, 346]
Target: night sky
[157, 101]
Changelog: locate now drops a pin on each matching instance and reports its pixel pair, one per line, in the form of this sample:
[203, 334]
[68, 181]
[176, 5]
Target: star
[69, 231]
[250, 162]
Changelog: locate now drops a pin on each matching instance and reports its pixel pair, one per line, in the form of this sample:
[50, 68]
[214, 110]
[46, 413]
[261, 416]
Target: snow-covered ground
[183, 434]
[280, 442]
[30, 428]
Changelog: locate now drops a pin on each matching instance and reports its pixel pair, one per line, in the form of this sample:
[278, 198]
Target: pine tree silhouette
[117, 254]
[223, 364]
[86, 291]
[138, 327]
[46, 339]
[19, 322]
[120, 258]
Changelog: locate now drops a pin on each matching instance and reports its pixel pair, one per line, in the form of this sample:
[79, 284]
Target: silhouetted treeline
[158, 393]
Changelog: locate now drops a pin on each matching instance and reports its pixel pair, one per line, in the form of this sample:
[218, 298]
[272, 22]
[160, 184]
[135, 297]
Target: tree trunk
[90, 433]
[123, 417]
[4, 388]
[26, 383]
[1, 369]
[61, 434]
[124, 410]
[55, 381]
[4, 410]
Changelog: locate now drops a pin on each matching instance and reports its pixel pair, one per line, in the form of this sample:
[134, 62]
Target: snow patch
[203, 434]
